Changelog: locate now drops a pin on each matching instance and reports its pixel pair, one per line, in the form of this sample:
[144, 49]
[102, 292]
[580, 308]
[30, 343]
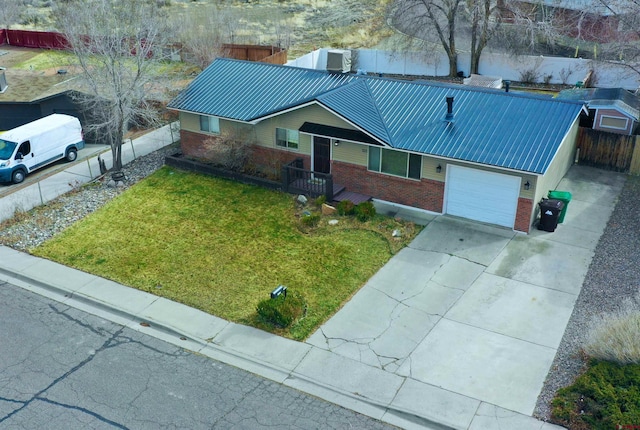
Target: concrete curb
[159, 329]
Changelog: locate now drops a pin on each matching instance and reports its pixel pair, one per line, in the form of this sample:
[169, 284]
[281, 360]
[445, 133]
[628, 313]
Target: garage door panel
[482, 196]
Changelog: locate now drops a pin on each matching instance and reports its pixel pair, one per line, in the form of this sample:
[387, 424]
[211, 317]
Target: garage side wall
[559, 167]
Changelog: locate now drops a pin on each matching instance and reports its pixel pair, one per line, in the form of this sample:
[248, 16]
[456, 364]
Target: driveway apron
[476, 311]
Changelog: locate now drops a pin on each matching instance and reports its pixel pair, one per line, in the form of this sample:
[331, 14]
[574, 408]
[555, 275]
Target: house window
[394, 162]
[209, 124]
[287, 138]
[613, 122]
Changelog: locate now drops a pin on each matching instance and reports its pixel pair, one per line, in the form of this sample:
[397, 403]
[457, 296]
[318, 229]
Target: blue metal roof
[247, 91]
[508, 130]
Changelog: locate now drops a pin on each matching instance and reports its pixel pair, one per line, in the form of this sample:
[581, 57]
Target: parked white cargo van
[38, 143]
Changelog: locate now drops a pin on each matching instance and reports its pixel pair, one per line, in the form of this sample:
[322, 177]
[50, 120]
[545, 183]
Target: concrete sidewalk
[457, 331]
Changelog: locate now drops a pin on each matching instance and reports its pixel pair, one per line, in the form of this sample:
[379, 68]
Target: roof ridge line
[375, 105]
[363, 80]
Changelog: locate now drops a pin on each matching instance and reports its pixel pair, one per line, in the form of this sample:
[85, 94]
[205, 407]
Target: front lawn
[222, 247]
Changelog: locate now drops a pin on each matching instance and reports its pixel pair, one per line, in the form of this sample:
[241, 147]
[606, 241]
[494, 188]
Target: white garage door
[482, 196]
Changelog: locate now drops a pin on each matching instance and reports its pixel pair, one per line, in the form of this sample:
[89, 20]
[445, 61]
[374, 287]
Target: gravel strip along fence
[613, 276]
[28, 230]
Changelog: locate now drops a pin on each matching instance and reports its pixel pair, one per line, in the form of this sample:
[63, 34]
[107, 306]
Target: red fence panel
[3, 37]
[34, 39]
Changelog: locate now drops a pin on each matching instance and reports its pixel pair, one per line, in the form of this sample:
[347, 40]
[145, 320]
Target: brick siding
[191, 144]
[424, 194]
[266, 160]
[523, 215]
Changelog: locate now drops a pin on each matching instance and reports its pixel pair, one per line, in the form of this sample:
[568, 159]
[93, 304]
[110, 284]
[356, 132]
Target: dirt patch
[12, 56]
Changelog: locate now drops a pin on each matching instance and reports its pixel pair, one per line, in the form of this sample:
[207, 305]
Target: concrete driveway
[474, 312]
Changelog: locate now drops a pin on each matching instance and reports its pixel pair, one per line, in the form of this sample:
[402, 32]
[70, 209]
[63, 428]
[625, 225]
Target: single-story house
[477, 153]
[614, 110]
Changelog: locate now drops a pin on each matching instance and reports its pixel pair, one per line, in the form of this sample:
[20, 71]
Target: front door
[321, 154]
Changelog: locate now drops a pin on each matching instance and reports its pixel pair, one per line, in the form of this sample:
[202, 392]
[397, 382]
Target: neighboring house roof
[483, 81]
[513, 131]
[605, 98]
[590, 6]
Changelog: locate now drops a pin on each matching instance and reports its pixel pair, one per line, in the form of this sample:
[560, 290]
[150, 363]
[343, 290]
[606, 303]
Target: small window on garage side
[209, 124]
[613, 122]
[24, 149]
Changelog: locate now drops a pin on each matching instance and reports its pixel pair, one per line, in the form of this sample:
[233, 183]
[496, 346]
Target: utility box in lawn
[550, 210]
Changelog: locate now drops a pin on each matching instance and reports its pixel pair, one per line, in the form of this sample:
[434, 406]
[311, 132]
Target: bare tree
[526, 27]
[426, 19]
[623, 45]
[203, 35]
[452, 23]
[484, 17]
[117, 44]
[9, 12]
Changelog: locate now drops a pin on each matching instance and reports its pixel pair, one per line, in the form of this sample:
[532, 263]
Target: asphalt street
[64, 368]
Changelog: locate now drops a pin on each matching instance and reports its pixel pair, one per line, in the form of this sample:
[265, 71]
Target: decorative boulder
[328, 209]
[302, 199]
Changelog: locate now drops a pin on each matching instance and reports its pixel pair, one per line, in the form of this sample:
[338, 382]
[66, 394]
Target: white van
[38, 143]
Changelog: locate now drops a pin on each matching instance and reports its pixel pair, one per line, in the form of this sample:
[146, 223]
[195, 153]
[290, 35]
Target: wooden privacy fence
[266, 54]
[608, 151]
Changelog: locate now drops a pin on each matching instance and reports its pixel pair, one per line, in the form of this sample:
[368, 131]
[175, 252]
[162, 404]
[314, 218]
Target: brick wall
[523, 215]
[266, 160]
[424, 194]
[191, 144]
[273, 159]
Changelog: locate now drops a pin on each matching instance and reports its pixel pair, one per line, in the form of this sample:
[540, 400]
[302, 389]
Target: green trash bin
[565, 197]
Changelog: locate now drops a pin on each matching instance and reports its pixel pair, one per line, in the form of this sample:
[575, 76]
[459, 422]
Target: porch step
[355, 198]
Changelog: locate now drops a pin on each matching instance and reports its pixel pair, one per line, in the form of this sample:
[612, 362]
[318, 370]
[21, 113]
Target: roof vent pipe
[449, 109]
[507, 84]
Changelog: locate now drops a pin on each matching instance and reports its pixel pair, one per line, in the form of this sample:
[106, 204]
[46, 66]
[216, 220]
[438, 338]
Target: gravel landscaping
[28, 230]
[613, 276]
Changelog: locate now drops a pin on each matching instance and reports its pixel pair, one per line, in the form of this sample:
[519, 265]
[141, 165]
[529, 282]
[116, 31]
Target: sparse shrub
[229, 151]
[615, 337]
[311, 220]
[529, 75]
[565, 74]
[365, 211]
[282, 311]
[547, 78]
[345, 207]
[321, 200]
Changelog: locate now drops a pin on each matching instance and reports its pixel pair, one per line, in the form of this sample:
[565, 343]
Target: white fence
[556, 70]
